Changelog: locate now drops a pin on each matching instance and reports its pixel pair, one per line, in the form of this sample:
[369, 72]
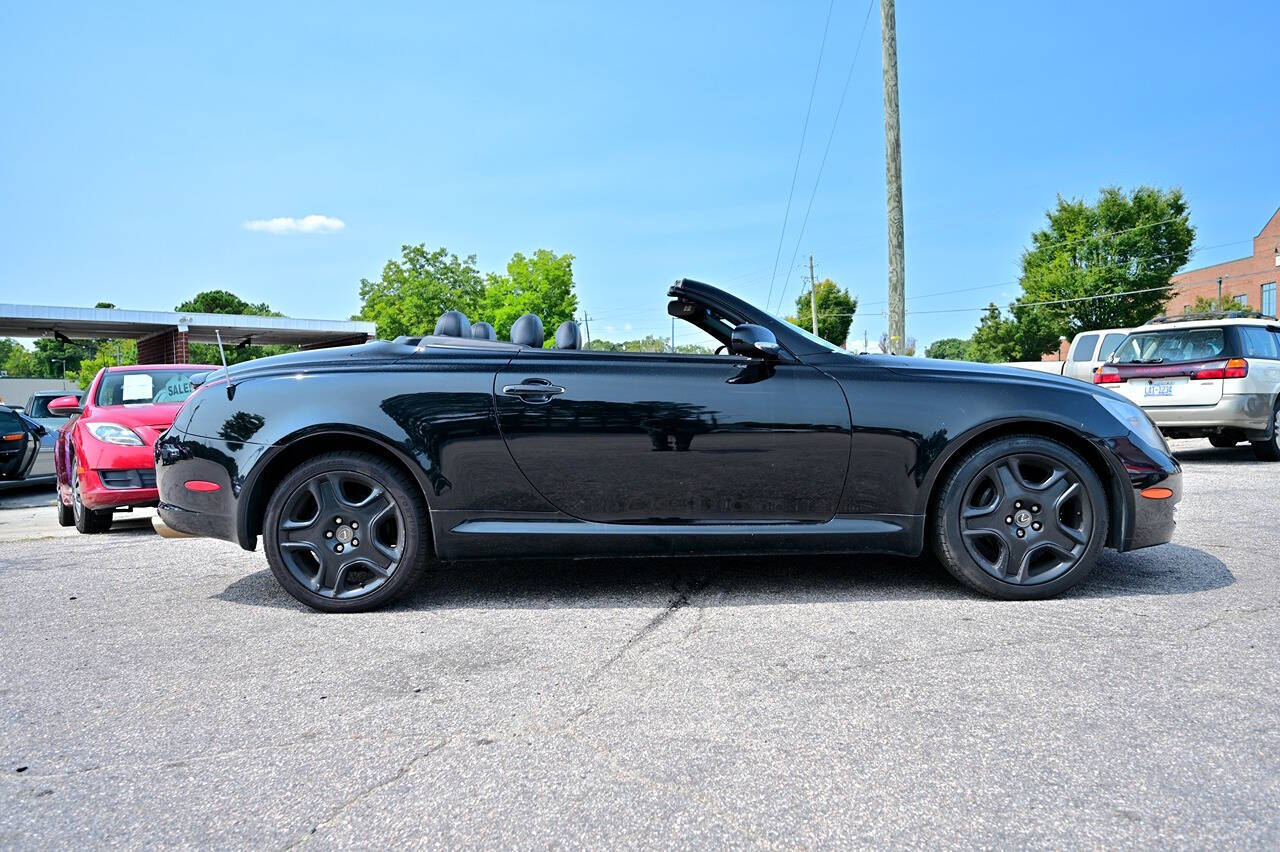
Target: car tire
[66, 514]
[1269, 449]
[1223, 442]
[1019, 518]
[347, 532]
[87, 521]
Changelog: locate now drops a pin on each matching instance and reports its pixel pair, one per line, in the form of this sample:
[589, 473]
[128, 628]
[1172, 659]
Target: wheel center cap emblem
[344, 535]
[1022, 518]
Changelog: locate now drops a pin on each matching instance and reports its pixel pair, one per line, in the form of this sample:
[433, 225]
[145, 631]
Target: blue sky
[652, 141]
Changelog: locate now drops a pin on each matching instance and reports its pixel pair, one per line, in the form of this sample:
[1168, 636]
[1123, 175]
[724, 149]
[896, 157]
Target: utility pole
[1219, 292]
[673, 335]
[813, 296]
[586, 321]
[893, 178]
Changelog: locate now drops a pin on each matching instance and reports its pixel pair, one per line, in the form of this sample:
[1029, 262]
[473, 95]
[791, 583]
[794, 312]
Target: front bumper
[1247, 412]
[1153, 518]
[95, 495]
[211, 513]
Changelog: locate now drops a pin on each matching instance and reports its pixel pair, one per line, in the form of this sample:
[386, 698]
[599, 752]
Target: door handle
[535, 391]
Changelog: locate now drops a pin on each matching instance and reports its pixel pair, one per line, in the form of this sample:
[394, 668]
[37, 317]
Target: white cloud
[313, 224]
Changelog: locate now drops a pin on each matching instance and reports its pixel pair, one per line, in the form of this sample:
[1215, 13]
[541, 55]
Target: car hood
[998, 372]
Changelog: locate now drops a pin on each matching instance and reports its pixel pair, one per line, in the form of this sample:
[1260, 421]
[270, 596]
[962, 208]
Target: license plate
[1158, 389]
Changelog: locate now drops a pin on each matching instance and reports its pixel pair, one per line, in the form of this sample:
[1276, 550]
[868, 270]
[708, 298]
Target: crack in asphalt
[365, 793]
[1232, 615]
[677, 603]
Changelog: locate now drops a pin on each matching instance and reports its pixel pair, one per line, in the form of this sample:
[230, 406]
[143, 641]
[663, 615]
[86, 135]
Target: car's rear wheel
[1223, 442]
[346, 532]
[89, 521]
[1019, 518]
[1269, 450]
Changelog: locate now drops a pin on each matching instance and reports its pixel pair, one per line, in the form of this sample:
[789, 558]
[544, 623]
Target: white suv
[1215, 377]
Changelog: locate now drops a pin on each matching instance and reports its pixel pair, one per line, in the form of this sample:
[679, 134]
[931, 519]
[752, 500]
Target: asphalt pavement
[166, 692]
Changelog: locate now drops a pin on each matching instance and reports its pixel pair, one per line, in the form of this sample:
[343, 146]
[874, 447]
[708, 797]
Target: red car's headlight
[114, 433]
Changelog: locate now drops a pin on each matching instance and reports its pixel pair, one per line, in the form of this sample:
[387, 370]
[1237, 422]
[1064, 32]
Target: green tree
[835, 312]
[1204, 305]
[1122, 243]
[1022, 336]
[224, 302]
[416, 289]
[541, 284]
[947, 349]
[110, 353]
[51, 354]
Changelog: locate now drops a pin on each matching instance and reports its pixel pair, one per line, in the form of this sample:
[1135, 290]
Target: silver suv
[1205, 376]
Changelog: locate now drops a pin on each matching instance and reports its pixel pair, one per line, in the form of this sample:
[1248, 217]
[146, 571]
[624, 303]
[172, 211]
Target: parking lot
[166, 691]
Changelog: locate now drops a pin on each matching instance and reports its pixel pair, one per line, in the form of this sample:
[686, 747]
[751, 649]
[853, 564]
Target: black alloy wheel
[346, 532]
[1021, 517]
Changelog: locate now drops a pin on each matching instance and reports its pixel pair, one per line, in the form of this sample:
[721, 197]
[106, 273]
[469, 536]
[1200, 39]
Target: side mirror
[753, 341]
[65, 406]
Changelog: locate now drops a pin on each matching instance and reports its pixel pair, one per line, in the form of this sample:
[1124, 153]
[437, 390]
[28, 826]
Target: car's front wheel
[89, 521]
[1019, 518]
[346, 532]
[1269, 450]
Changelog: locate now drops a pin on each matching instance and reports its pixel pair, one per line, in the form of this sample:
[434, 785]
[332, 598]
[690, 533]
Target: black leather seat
[568, 335]
[453, 324]
[483, 331]
[528, 331]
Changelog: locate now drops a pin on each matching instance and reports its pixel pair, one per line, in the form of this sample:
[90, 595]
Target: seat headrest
[453, 324]
[483, 331]
[568, 335]
[527, 331]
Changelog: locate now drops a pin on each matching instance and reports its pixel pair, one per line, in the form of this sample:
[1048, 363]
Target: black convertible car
[359, 466]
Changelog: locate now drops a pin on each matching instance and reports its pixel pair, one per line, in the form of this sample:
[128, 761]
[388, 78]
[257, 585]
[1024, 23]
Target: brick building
[1250, 279]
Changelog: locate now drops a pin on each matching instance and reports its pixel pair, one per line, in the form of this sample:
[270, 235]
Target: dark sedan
[360, 466]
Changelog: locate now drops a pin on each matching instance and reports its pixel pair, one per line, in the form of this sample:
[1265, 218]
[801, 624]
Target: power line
[827, 150]
[1190, 254]
[1029, 304]
[813, 87]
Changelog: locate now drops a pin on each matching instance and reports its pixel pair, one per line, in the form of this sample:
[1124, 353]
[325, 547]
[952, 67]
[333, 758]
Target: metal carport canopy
[81, 323]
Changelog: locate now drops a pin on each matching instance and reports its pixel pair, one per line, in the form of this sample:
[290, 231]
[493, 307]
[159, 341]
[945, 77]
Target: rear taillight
[1107, 376]
[1236, 368]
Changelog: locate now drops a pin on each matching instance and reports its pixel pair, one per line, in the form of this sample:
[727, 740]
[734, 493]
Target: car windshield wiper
[1147, 361]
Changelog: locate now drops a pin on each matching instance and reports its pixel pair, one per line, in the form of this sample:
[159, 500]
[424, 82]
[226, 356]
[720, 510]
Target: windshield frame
[812, 338]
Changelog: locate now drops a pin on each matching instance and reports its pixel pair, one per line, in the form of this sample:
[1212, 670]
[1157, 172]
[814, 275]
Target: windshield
[813, 338]
[1157, 347]
[143, 387]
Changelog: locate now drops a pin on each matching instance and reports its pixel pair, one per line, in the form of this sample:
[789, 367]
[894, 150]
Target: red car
[104, 456]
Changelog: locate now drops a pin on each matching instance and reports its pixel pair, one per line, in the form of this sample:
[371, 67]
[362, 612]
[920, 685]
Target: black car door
[619, 437]
[19, 443]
